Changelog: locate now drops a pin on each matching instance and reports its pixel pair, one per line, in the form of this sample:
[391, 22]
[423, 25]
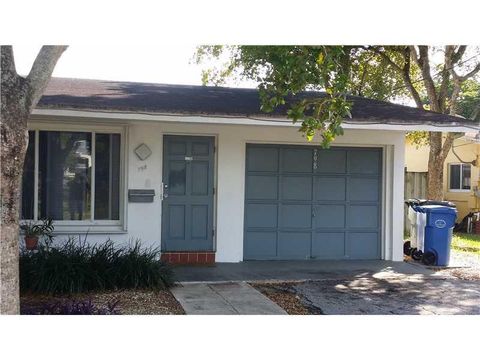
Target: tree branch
[385, 57]
[447, 64]
[408, 79]
[404, 71]
[39, 76]
[475, 70]
[458, 55]
[447, 145]
[12, 85]
[423, 62]
[7, 61]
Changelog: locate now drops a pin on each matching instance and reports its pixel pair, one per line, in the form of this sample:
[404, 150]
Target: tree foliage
[441, 79]
[285, 72]
[377, 72]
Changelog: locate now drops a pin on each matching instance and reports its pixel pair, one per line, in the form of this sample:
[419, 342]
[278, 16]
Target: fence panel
[415, 187]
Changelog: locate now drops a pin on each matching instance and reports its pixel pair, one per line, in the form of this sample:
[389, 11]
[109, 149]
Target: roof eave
[111, 116]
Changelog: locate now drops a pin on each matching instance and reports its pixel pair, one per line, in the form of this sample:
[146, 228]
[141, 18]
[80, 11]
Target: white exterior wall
[143, 220]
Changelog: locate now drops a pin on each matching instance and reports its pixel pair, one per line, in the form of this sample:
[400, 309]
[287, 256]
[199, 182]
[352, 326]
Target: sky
[171, 64]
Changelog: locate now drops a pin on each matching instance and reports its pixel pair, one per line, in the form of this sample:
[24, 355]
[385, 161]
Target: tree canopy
[443, 79]
[415, 74]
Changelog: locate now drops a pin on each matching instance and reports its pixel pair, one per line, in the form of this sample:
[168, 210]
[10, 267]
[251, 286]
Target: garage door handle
[313, 212]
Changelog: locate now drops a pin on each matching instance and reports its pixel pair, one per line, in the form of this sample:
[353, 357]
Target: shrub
[77, 266]
[72, 307]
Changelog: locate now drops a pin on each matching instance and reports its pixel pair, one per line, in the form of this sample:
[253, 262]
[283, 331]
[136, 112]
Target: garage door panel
[260, 245]
[363, 189]
[296, 188]
[331, 161]
[364, 162]
[328, 245]
[262, 187]
[363, 216]
[329, 216]
[363, 245]
[304, 202]
[296, 160]
[295, 216]
[262, 159]
[294, 245]
[330, 189]
[261, 216]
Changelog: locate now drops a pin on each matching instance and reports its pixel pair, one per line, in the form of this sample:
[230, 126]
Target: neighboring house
[460, 172]
[230, 183]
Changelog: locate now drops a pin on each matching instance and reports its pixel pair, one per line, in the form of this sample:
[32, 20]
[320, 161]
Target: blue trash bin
[438, 233]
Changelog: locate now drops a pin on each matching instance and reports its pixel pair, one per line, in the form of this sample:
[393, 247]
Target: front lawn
[466, 242]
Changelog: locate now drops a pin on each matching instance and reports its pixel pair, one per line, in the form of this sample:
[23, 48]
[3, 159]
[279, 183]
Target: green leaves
[285, 73]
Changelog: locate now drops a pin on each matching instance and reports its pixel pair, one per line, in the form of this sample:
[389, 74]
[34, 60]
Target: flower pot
[31, 242]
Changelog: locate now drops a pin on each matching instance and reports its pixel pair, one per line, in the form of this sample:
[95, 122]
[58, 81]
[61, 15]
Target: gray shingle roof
[82, 94]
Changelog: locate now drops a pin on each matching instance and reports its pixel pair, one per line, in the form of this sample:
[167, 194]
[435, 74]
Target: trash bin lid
[422, 202]
[436, 209]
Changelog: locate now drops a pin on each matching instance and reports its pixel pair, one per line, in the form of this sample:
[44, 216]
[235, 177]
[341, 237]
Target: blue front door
[187, 209]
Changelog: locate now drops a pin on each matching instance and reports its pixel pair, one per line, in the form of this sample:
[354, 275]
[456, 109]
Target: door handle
[165, 191]
[313, 212]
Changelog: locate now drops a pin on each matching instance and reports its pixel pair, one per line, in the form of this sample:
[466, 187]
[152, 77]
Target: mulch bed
[130, 302]
[284, 295]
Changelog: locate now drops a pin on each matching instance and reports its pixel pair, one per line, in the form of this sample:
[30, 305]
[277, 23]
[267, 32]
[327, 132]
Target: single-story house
[461, 171]
[206, 175]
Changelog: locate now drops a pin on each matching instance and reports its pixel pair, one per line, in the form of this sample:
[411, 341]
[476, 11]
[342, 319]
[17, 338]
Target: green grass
[466, 242]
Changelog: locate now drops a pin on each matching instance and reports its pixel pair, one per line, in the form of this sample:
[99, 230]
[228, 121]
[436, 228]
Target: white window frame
[91, 226]
[461, 177]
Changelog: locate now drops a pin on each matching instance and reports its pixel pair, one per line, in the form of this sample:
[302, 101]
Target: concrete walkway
[236, 298]
[297, 270]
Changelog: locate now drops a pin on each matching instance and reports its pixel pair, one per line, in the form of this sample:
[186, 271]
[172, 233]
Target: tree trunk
[13, 146]
[18, 97]
[9, 239]
[435, 168]
[439, 149]
[14, 141]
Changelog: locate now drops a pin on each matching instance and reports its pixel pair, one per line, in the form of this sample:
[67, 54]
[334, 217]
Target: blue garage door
[304, 202]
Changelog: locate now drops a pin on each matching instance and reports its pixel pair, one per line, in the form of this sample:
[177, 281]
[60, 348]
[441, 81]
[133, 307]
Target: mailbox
[141, 195]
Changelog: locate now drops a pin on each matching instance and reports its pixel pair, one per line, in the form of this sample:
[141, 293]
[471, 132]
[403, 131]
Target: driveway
[422, 295]
[338, 287]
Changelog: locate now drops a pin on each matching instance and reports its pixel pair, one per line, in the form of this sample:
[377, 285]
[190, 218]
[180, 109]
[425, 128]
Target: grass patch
[466, 242]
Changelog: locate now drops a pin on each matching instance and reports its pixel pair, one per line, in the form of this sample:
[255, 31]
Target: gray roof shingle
[82, 94]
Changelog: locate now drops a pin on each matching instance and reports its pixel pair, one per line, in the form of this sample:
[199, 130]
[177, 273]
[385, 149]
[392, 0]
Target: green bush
[76, 266]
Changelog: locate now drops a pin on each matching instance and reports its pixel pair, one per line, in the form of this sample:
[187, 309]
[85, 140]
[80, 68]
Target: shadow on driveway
[403, 295]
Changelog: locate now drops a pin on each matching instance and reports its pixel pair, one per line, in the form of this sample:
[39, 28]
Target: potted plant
[32, 232]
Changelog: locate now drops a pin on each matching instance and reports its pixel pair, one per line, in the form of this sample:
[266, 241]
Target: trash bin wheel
[429, 258]
[407, 247]
[417, 254]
